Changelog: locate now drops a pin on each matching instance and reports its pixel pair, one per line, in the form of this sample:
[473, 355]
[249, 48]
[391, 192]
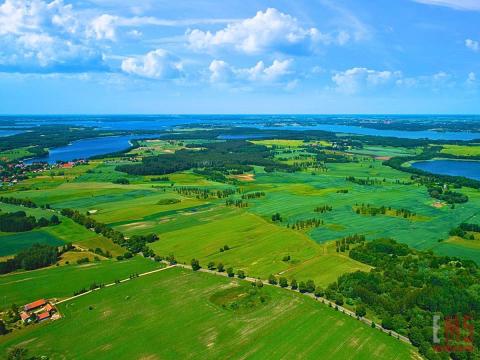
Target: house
[43, 316]
[49, 308]
[24, 316]
[35, 305]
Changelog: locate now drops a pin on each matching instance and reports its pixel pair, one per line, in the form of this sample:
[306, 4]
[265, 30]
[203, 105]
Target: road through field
[249, 279]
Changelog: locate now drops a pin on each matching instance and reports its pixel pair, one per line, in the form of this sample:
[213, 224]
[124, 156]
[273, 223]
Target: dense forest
[231, 157]
[407, 288]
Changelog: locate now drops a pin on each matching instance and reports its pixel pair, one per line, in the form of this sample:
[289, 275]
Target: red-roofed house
[34, 305]
[43, 316]
[49, 308]
[24, 316]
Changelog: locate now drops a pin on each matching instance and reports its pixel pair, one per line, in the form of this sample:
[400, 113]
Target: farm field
[60, 282]
[256, 246]
[181, 314]
[461, 150]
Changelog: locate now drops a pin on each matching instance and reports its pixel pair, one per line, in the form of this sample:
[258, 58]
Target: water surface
[469, 169]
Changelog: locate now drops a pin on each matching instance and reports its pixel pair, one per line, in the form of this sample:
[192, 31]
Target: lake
[275, 122]
[4, 133]
[469, 169]
[86, 148]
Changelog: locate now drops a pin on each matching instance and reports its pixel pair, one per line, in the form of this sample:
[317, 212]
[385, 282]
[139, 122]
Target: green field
[256, 246]
[61, 282]
[178, 314]
[461, 150]
[13, 243]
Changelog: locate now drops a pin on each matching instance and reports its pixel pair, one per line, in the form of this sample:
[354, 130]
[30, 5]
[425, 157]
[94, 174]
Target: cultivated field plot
[62, 281]
[179, 314]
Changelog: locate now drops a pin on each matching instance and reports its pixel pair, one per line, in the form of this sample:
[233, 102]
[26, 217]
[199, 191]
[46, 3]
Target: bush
[195, 264]
[272, 280]
[230, 272]
[294, 284]
[241, 274]
[283, 282]
[220, 267]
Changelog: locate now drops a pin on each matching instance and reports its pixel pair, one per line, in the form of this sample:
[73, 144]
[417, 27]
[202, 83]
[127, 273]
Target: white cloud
[455, 4]
[106, 26]
[42, 36]
[472, 44]
[471, 80]
[158, 64]
[270, 30]
[278, 71]
[353, 80]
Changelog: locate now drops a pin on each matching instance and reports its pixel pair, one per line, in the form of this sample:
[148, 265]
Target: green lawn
[178, 314]
[62, 281]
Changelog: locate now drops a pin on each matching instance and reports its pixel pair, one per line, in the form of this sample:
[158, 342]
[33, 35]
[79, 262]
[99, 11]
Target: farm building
[38, 311]
[35, 305]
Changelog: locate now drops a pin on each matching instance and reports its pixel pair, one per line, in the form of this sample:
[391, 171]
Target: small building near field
[35, 305]
[43, 316]
[38, 311]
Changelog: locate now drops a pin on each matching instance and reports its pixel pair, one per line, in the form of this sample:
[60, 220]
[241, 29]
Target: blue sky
[239, 56]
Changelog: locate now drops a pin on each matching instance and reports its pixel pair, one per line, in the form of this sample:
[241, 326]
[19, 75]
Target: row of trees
[135, 244]
[19, 202]
[19, 222]
[367, 209]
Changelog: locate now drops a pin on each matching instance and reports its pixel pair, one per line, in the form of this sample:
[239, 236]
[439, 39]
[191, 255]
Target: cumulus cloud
[269, 30]
[472, 44]
[455, 4]
[158, 64]
[42, 36]
[471, 79]
[353, 80]
[278, 71]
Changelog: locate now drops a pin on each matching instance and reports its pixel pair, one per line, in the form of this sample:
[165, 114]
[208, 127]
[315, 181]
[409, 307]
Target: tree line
[407, 288]
[34, 257]
[19, 222]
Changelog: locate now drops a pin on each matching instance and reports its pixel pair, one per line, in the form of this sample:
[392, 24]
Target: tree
[17, 353]
[272, 280]
[241, 274]
[42, 222]
[302, 287]
[128, 255]
[283, 282]
[211, 265]
[54, 220]
[230, 272]
[171, 259]
[220, 267]
[294, 284]
[373, 325]
[259, 283]
[195, 264]
[360, 311]
[319, 292]
[226, 247]
[339, 300]
[310, 286]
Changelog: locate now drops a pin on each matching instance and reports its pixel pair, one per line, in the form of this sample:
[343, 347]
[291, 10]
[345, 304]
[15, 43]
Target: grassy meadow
[181, 314]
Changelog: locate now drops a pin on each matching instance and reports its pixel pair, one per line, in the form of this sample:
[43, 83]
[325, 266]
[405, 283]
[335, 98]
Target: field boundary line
[113, 284]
